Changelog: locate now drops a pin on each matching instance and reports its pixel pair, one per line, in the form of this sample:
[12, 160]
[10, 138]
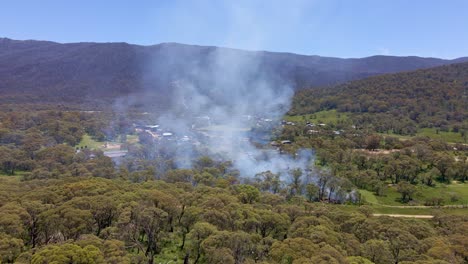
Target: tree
[102, 208]
[197, 235]
[68, 253]
[73, 222]
[429, 177]
[10, 159]
[312, 192]
[14, 220]
[35, 210]
[292, 249]
[324, 177]
[372, 142]
[247, 193]
[268, 181]
[188, 219]
[399, 241]
[406, 190]
[376, 251]
[10, 248]
[358, 260]
[271, 223]
[443, 163]
[240, 245]
[296, 183]
[151, 222]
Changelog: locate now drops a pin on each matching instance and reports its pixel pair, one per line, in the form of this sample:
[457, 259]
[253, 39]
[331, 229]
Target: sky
[335, 28]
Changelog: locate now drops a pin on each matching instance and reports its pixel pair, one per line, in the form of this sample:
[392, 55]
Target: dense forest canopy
[89, 73]
[94, 220]
[400, 103]
[63, 199]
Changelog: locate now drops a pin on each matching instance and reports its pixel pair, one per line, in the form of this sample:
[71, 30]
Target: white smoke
[217, 101]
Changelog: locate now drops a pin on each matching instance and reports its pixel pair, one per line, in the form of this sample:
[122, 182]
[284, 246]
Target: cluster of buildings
[160, 134]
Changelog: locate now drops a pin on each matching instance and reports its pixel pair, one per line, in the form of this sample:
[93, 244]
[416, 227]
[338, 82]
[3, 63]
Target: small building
[274, 143]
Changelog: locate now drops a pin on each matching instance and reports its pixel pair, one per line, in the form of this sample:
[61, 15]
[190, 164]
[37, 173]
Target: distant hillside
[47, 71]
[400, 103]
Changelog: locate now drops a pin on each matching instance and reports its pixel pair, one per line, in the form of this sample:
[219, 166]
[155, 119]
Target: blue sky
[346, 28]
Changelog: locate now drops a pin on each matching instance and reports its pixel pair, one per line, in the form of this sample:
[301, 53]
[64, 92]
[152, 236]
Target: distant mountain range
[49, 71]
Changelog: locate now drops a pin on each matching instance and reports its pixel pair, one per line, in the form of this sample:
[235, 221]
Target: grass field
[378, 209]
[369, 197]
[327, 117]
[445, 136]
[88, 141]
[445, 191]
[17, 176]
[432, 133]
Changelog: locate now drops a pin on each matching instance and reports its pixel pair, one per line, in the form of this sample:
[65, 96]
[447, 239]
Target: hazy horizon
[325, 28]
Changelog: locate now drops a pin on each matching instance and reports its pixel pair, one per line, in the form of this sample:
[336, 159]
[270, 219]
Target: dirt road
[404, 215]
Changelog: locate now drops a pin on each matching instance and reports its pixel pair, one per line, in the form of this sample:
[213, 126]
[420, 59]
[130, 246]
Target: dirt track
[401, 215]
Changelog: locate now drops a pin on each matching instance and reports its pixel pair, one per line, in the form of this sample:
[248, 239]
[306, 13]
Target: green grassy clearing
[444, 191]
[16, 177]
[17, 173]
[391, 197]
[432, 133]
[445, 136]
[368, 196]
[327, 117]
[88, 141]
[378, 209]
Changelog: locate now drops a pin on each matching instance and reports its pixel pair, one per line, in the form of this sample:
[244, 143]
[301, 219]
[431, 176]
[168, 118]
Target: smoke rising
[225, 103]
[228, 105]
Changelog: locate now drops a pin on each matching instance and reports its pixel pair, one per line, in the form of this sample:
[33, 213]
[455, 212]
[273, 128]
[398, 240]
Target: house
[274, 144]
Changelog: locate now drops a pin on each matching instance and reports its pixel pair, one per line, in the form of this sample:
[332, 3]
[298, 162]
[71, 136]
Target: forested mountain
[399, 103]
[47, 71]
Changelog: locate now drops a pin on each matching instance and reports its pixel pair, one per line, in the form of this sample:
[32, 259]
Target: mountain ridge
[52, 71]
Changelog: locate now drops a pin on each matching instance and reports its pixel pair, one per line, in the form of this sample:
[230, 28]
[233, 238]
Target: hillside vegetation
[83, 219]
[92, 73]
[400, 103]
[400, 138]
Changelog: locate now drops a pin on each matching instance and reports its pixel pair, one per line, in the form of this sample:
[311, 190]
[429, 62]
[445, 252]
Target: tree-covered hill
[43, 71]
[400, 103]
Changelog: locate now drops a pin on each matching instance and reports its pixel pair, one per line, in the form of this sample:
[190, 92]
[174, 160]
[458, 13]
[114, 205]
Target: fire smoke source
[219, 94]
[219, 103]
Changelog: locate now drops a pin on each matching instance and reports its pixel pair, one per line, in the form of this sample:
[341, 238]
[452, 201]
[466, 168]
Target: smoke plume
[224, 102]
